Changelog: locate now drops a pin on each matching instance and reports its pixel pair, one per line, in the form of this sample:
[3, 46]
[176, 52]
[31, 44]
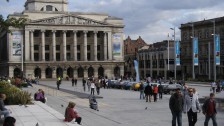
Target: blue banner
[217, 49]
[137, 71]
[195, 42]
[177, 44]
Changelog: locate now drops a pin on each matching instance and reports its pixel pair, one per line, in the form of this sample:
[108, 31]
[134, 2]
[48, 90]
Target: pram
[93, 103]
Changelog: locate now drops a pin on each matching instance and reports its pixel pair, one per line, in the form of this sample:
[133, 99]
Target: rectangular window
[68, 34]
[88, 47]
[78, 47]
[88, 34]
[47, 47]
[36, 47]
[58, 33]
[36, 56]
[58, 47]
[58, 56]
[68, 47]
[78, 56]
[78, 34]
[98, 47]
[47, 34]
[88, 56]
[98, 56]
[68, 56]
[36, 33]
[47, 56]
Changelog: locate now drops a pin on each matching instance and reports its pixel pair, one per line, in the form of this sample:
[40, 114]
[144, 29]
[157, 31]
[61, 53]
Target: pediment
[68, 20]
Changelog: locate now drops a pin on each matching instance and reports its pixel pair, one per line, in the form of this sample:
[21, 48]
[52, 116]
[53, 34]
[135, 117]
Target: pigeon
[62, 105]
[146, 108]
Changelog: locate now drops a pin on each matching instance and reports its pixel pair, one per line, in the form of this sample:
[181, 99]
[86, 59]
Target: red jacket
[70, 114]
[155, 89]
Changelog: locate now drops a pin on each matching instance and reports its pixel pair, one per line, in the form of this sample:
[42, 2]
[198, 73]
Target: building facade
[204, 31]
[55, 42]
[130, 54]
[153, 61]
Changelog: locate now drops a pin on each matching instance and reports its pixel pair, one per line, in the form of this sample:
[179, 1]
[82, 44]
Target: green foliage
[17, 23]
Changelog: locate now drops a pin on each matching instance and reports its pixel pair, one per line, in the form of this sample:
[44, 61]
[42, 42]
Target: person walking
[58, 82]
[148, 92]
[84, 84]
[213, 85]
[191, 107]
[155, 92]
[97, 84]
[209, 110]
[92, 87]
[176, 106]
[88, 85]
[141, 90]
[160, 88]
[73, 81]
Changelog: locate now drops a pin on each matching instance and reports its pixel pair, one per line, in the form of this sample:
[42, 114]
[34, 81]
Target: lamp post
[175, 71]
[193, 74]
[214, 51]
[168, 53]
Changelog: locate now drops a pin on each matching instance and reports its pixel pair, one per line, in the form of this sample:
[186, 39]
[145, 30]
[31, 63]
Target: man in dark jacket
[176, 106]
[160, 91]
[148, 92]
[209, 110]
[3, 110]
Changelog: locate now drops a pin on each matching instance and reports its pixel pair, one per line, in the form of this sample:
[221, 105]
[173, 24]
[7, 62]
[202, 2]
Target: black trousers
[92, 91]
[78, 120]
[155, 97]
[160, 95]
[192, 117]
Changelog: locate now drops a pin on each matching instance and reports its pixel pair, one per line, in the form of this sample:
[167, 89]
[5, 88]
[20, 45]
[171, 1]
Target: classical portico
[61, 43]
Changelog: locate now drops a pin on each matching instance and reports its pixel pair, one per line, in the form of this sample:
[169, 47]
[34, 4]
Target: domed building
[60, 43]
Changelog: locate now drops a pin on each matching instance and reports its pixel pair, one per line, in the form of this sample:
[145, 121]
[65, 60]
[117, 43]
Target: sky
[150, 19]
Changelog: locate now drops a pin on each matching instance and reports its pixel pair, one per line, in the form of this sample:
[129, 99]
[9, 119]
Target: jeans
[148, 98]
[142, 94]
[192, 117]
[207, 118]
[92, 91]
[177, 116]
[5, 112]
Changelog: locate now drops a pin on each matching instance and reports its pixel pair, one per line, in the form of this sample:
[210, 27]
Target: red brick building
[130, 53]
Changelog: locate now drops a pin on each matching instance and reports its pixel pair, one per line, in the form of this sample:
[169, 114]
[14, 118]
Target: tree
[17, 23]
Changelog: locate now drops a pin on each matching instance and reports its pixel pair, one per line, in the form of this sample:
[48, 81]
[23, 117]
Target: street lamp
[193, 74]
[214, 51]
[175, 73]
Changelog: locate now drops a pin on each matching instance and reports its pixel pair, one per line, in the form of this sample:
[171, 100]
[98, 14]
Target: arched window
[49, 8]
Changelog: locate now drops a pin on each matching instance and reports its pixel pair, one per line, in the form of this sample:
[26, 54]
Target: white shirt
[92, 85]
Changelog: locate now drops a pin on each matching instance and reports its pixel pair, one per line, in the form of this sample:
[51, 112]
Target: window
[68, 47]
[88, 56]
[58, 56]
[98, 56]
[78, 47]
[58, 47]
[68, 34]
[68, 56]
[88, 34]
[36, 33]
[47, 34]
[47, 57]
[88, 47]
[49, 8]
[36, 47]
[78, 34]
[36, 56]
[78, 56]
[47, 47]
[58, 33]
[98, 47]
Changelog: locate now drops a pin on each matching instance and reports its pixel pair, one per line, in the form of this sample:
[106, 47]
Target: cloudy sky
[150, 19]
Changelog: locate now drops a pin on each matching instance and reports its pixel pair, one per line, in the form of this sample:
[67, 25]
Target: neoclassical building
[55, 42]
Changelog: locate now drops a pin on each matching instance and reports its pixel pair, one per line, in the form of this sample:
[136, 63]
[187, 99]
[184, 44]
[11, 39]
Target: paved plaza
[117, 107]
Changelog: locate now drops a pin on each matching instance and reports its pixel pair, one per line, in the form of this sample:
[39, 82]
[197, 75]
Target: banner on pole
[195, 42]
[177, 45]
[217, 49]
[137, 71]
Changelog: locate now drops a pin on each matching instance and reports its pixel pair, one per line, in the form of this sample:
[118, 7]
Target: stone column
[25, 48]
[95, 45]
[75, 46]
[144, 65]
[64, 46]
[157, 63]
[54, 45]
[165, 69]
[105, 46]
[31, 45]
[43, 44]
[110, 46]
[85, 45]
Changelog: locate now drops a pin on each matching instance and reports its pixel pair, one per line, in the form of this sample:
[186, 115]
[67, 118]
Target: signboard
[16, 43]
[177, 45]
[195, 42]
[217, 49]
[116, 45]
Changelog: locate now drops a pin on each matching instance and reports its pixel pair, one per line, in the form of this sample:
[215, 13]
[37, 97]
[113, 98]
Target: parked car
[129, 85]
[114, 83]
[171, 88]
